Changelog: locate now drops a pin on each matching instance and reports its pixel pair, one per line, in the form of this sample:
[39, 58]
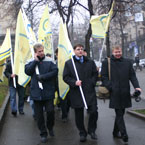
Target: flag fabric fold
[100, 24]
[5, 51]
[44, 32]
[23, 47]
[65, 51]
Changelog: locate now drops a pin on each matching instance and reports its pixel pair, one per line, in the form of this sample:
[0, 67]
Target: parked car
[141, 63]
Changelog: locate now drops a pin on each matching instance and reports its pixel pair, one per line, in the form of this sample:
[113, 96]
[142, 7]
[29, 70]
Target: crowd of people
[122, 73]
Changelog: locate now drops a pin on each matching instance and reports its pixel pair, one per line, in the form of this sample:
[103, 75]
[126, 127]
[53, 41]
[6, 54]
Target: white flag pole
[81, 90]
[12, 61]
[32, 51]
[53, 56]
[101, 52]
[12, 65]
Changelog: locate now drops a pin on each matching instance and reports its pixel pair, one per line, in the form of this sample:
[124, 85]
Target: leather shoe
[14, 113]
[43, 139]
[21, 113]
[82, 138]
[51, 133]
[125, 138]
[116, 135]
[93, 135]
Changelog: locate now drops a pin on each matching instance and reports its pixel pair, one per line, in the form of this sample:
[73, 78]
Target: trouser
[119, 124]
[92, 122]
[65, 105]
[13, 102]
[40, 107]
[32, 106]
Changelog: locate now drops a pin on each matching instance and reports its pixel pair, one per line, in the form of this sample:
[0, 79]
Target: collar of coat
[116, 59]
[84, 58]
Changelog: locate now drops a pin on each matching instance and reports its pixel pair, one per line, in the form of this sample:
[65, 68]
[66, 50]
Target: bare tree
[66, 9]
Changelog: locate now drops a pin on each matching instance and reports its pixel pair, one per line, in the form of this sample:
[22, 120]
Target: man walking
[87, 73]
[122, 73]
[43, 98]
[20, 89]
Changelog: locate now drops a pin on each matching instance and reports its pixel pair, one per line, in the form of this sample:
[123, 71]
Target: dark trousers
[92, 122]
[40, 108]
[119, 124]
[65, 105]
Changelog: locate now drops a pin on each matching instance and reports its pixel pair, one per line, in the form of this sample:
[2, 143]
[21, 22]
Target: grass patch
[3, 90]
[142, 111]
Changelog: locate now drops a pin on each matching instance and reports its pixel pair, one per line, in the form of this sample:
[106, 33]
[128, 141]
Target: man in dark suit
[88, 75]
[122, 73]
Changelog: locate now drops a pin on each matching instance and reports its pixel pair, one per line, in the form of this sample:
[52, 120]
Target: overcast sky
[54, 18]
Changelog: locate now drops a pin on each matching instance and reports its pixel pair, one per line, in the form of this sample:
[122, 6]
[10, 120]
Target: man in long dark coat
[87, 73]
[122, 73]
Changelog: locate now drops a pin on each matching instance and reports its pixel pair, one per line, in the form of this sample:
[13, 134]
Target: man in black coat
[43, 98]
[122, 73]
[88, 74]
[20, 89]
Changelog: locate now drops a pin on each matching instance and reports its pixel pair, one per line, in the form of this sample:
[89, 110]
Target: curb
[138, 115]
[3, 110]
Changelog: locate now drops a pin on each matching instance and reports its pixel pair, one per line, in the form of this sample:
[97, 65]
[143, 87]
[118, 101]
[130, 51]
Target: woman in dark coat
[88, 76]
[122, 73]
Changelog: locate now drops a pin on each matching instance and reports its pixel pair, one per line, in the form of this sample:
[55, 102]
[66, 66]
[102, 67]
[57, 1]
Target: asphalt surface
[22, 130]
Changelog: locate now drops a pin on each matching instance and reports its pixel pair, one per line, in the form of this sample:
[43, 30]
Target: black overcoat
[88, 74]
[8, 73]
[48, 72]
[122, 73]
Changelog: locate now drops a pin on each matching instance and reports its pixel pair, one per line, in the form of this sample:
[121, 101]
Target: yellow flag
[65, 51]
[100, 24]
[44, 32]
[5, 49]
[2, 68]
[23, 45]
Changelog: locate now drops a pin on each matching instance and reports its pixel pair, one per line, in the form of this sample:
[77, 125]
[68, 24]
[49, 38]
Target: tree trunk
[87, 40]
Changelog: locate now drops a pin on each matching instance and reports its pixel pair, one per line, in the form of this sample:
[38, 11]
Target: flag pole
[32, 51]
[80, 87]
[53, 56]
[12, 61]
[102, 51]
[12, 65]
[107, 29]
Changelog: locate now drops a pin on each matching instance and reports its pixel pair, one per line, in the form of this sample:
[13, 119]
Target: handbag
[103, 92]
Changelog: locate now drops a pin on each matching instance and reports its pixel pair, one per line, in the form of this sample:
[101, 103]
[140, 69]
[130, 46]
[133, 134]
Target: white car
[141, 63]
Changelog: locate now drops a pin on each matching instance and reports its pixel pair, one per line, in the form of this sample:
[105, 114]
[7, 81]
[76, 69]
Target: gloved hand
[40, 78]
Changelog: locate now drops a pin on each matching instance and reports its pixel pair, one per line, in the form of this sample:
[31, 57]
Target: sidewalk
[23, 130]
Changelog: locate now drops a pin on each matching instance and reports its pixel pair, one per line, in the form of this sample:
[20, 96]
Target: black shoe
[21, 112]
[82, 138]
[116, 135]
[34, 117]
[93, 135]
[125, 138]
[43, 139]
[14, 114]
[64, 120]
[51, 133]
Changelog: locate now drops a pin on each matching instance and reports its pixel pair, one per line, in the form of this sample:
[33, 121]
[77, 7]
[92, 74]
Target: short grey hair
[37, 45]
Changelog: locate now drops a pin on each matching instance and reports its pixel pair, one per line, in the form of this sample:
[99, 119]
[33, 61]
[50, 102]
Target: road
[23, 130]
